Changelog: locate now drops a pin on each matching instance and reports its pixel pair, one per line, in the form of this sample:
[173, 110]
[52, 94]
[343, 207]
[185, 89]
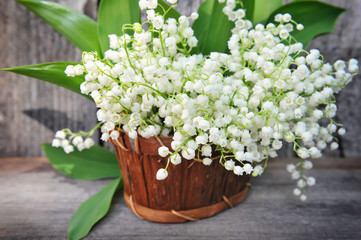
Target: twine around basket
[174, 216]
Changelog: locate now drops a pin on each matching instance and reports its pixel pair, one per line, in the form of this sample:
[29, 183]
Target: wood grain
[31, 110]
[40, 108]
[39, 204]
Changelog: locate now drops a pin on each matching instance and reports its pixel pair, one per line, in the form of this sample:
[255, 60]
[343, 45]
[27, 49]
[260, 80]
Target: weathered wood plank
[26, 39]
[39, 202]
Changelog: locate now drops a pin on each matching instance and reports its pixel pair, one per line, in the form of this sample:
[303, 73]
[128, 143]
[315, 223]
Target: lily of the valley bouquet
[222, 80]
[246, 101]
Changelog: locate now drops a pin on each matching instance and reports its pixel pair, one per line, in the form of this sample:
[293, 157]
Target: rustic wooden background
[31, 111]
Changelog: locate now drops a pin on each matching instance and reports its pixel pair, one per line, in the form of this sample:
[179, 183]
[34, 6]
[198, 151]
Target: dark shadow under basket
[190, 192]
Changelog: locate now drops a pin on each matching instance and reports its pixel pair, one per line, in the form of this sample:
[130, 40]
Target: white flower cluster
[302, 181]
[241, 105]
[67, 140]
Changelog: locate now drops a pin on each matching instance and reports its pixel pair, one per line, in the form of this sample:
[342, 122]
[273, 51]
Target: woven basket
[190, 192]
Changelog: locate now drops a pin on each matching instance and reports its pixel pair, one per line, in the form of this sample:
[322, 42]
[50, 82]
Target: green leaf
[51, 72]
[212, 28]
[92, 210]
[259, 10]
[171, 12]
[89, 164]
[317, 18]
[76, 27]
[112, 15]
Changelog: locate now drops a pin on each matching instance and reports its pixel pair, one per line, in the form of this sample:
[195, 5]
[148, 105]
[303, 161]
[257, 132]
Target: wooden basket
[190, 192]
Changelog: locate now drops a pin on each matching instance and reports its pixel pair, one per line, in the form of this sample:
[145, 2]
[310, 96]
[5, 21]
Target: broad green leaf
[212, 28]
[259, 10]
[317, 18]
[51, 72]
[171, 13]
[76, 27]
[89, 164]
[92, 210]
[112, 15]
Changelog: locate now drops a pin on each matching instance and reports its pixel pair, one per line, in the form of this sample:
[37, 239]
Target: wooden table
[36, 202]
